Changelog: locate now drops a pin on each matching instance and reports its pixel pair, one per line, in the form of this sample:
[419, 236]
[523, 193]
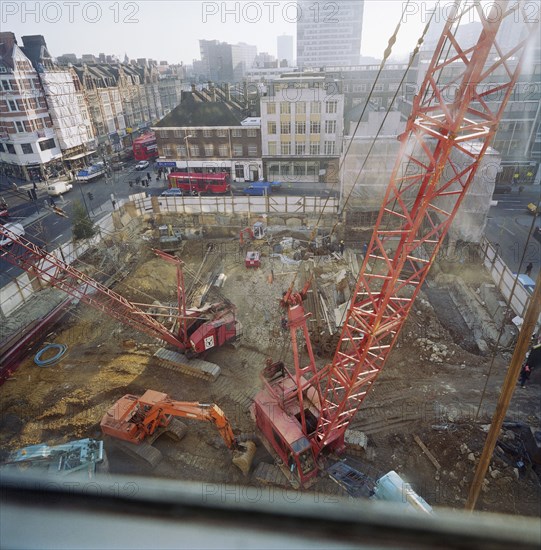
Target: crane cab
[278, 418]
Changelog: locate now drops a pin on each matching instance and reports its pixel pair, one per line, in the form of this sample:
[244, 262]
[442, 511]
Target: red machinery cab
[253, 259]
[277, 416]
[214, 333]
[123, 419]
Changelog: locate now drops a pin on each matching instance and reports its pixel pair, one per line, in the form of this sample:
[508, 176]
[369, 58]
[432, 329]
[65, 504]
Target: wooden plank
[427, 452]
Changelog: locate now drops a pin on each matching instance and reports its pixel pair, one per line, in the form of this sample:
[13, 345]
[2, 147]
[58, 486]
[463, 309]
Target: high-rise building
[242, 56]
[217, 61]
[284, 46]
[329, 33]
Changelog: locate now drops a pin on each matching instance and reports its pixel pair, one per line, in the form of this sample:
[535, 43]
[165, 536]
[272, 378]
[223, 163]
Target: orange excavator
[134, 423]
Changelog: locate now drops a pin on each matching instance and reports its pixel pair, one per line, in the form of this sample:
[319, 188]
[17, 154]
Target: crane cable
[386, 55]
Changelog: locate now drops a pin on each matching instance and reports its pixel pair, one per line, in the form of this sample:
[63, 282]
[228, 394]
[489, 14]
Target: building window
[19, 126]
[330, 126]
[286, 148]
[209, 150]
[271, 108]
[359, 88]
[237, 133]
[252, 150]
[300, 149]
[47, 144]
[285, 127]
[6, 85]
[221, 133]
[300, 108]
[10, 148]
[207, 133]
[12, 105]
[176, 133]
[315, 127]
[314, 148]
[167, 151]
[252, 132]
[272, 148]
[239, 171]
[27, 148]
[223, 150]
[271, 127]
[194, 150]
[285, 108]
[329, 147]
[181, 151]
[237, 150]
[315, 107]
[300, 128]
[331, 107]
[378, 87]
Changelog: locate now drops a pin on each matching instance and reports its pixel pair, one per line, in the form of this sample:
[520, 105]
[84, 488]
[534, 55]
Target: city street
[46, 228]
[508, 228]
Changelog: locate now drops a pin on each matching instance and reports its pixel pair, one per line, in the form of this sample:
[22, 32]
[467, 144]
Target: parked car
[58, 188]
[534, 208]
[15, 228]
[142, 165]
[172, 193]
[259, 189]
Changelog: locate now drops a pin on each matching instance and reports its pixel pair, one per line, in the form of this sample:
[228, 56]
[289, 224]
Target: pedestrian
[529, 268]
[534, 357]
[524, 375]
[113, 203]
[51, 201]
[341, 247]
[148, 176]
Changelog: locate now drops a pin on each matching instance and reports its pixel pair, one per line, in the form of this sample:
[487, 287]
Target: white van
[56, 189]
[15, 228]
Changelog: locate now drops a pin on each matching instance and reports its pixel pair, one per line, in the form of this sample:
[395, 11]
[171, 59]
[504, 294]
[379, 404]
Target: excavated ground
[431, 387]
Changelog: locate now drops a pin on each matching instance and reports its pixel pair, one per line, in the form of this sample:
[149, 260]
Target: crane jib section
[56, 272]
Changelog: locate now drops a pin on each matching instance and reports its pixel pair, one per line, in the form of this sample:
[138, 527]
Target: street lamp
[186, 138]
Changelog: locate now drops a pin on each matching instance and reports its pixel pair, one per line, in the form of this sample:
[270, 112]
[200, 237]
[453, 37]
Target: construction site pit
[438, 389]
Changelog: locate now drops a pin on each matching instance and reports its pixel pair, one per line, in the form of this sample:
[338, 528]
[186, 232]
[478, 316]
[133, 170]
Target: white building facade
[302, 129]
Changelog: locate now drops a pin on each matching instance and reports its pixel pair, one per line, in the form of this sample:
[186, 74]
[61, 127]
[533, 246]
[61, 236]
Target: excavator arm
[198, 411]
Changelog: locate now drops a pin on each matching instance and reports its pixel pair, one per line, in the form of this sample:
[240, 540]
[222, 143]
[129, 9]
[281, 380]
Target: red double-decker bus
[145, 147]
[192, 183]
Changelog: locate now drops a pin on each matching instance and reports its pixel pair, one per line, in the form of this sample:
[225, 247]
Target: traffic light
[90, 196]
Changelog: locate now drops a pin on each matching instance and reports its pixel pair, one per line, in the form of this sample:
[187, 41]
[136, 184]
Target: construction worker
[341, 247]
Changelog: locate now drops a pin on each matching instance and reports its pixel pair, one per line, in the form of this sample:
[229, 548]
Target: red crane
[305, 412]
[198, 330]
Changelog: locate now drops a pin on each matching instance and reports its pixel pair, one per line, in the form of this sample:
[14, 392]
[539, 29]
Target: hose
[62, 349]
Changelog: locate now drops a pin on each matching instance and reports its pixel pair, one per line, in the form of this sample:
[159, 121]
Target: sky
[170, 29]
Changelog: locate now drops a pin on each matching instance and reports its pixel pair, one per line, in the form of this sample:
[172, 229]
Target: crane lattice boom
[451, 121]
[56, 272]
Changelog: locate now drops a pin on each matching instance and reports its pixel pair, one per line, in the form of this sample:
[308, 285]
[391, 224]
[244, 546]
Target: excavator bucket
[244, 456]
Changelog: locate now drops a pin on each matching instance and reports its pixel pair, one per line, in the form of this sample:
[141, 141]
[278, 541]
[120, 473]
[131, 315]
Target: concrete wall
[222, 213]
[505, 279]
